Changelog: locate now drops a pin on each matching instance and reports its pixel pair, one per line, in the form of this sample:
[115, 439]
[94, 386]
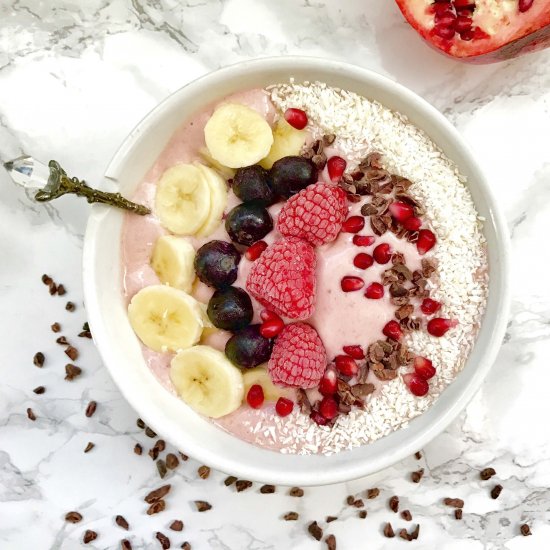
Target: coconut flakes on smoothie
[314, 272]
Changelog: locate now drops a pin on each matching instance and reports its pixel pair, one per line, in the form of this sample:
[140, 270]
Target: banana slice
[182, 201]
[259, 375]
[237, 136]
[207, 381]
[166, 318]
[218, 200]
[287, 141]
[226, 172]
[172, 261]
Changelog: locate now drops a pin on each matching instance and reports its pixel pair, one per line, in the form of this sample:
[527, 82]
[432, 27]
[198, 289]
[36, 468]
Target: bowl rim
[346, 471]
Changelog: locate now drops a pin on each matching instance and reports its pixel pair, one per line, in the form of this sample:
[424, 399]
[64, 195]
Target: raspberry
[315, 214]
[298, 358]
[283, 278]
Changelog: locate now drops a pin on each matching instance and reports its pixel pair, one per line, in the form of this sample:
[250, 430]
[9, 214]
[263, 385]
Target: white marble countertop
[73, 81]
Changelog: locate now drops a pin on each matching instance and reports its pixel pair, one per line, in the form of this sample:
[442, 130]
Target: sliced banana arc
[218, 200]
[165, 318]
[182, 200]
[287, 142]
[207, 381]
[237, 136]
[260, 376]
[226, 172]
[172, 260]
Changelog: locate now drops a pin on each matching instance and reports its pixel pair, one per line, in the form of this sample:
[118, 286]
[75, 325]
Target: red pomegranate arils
[346, 365]
[525, 5]
[412, 224]
[336, 166]
[446, 19]
[429, 306]
[318, 418]
[382, 253]
[363, 240]
[439, 326]
[374, 291]
[351, 284]
[426, 241]
[463, 4]
[255, 396]
[401, 211]
[363, 261]
[328, 407]
[444, 31]
[272, 327]
[284, 406]
[424, 367]
[329, 383]
[296, 118]
[255, 251]
[354, 351]
[392, 330]
[418, 386]
[353, 224]
[462, 23]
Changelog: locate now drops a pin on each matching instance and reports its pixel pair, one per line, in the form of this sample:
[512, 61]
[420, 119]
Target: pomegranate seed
[328, 407]
[462, 23]
[363, 240]
[346, 365]
[329, 383]
[374, 291]
[284, 406]
[336, 166]
[464, 4]
[465, 12]
[446, 19]
[467, 35]
[353, 224]
[412, 224]
[418, 386]
[441, 8]
[392, 329]
[318, 418]
[363, 261]
[255, 396]
[401, 211]
[382, 253]
[439, 326]
[266, 315]
[424, 367]
[296, 118]
[480, 34]
[255, 251]
[426, 241]
[444, 32]
[354, 351]
[272, 327]
[525, 5]
[351, 284]
[429, 306]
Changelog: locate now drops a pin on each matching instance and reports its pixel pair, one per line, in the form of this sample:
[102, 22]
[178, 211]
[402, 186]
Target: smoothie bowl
[321, 285]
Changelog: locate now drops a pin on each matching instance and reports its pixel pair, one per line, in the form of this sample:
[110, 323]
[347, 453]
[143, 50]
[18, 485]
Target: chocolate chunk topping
[428, 267]
[362, 514]
[373, 493]
[163, 539]
[362, 390]
[414, 533]
[39, 390]
[267, 489]
[56, 327]
[358, 503]
[62, 341]
[296, 492]
[89, 536]
[331, 542]
[91, 408]
[303, 401]
[388, 531]
[150, 433]
[138, 449]
[121, 522]
[125, 544]
[204, 472]
[172, 461]
[393, 503]
[369, 210]
[399, 301]
[243, 485]
[378, 225]
[406, 515]
[73, 517]
[495, 491]
[46, 279]
[140, 423]
[202, 506]
[403, 312]
[157, 494]
[375, 352]
[487, 473]
[385, 374]
[418, 455]
[156, 507]
[89, 447]
[328, 139]
[458, 513]
[176, 525]
[30, 414]
[161, 468]
[229, 480]
[315, 531]
[72, 371]
[454, 502]
[38, 359]
[186, 546]
[330, 519]
[525, 530]
[291, 516]
[398, 290]
[350, 500]
[417, 476]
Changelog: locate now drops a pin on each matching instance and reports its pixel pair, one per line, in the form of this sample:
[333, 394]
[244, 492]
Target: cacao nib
[362, 390]
[487, 473]
[315, 531]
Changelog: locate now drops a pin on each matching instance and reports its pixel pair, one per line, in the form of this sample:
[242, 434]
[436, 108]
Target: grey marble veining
[74, 79]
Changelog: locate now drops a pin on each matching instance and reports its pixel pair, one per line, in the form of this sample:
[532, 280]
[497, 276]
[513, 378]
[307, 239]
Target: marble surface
[74, 79]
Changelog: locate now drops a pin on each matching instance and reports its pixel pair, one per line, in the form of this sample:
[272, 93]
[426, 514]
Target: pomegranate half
[481, 31]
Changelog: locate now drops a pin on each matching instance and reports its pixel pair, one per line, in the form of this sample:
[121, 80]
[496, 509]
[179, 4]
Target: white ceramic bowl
[119, 347]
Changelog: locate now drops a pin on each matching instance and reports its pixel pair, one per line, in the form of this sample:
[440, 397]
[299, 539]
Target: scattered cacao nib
[296, 492]
[373, 159]
[91, 408]
[291, 516]
[417, 476]
[138, 449]
[229, 480]
[150, 433]
[52, 288]
[89, 536]
[176, 525]
[369, 209]
[184, 457]
[362, 390]
[406, 515]
[30, 414]
[89, 447]
[403, 271]
[350, 500]
[343, 408]
[495, 491]
[403, 533]
[56, 327]
[393, 503]
[454, 502]
[358, 503]
[303, 402]
[411, 236]
[315, 531]
[410, 323]
[418, 455]
[47, 280]
[320, 160]
[157, 494]
[487, 473]
[428, 267]
[172, 461]
[397, 290]
[186, 546]
[140, 423]
[163, 539]
[267, 489]
[85, 334]
[125, 544]
[61, 291]
[242, 485]
[72, 371]
[363, 375]
[331, 542]
[385, 374]
[69, 306]
[328, 139]
[202, 505]
[38, 359]
[373, 493]
[525, 530]
[354, 198]
[375, 352]
[121, 522]
[62, 341]
[39, 390]
[156, 507]
[362, 514]
[414, 533]
[458, 513]
[159, 446]
[330, 519]
[378, 225]
[72, 353]
[161, 468]
[204, 472]
[388, 531]
[153, 453]
[73, 517]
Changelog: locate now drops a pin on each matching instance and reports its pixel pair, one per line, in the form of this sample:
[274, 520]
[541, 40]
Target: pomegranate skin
[531, 33]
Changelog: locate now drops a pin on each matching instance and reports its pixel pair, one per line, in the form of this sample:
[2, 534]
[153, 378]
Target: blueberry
[292, 174]
[253, 183]
[230, 308]
[217, 263]
[248, 222]
[248, 348]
